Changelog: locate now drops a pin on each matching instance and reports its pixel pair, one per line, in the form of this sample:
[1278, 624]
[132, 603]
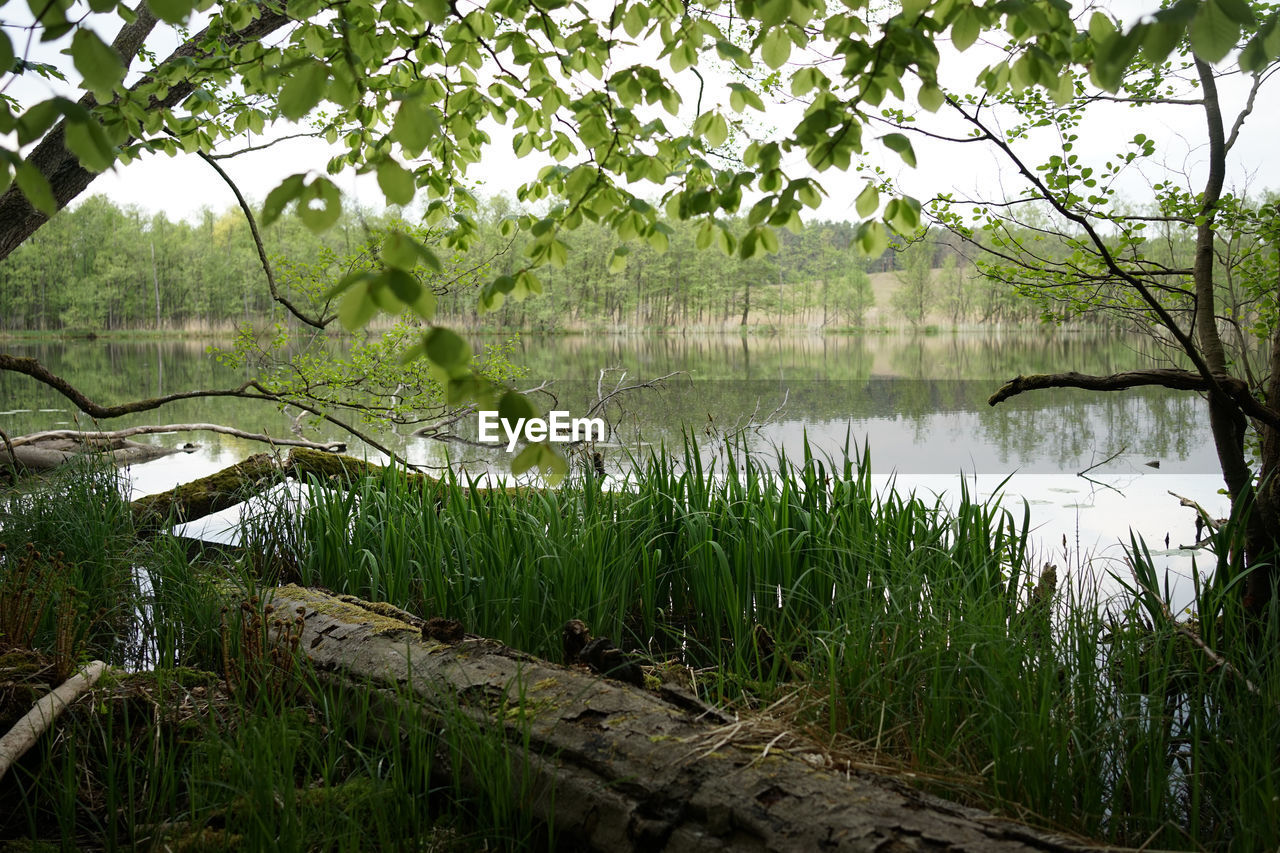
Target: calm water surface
[919, 402]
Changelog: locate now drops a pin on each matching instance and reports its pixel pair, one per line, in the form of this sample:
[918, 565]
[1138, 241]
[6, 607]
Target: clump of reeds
[40, 609]
[920, 633]
[262, 656]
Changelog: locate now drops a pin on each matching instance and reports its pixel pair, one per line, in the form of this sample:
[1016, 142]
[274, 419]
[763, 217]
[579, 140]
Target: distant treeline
[99, 267]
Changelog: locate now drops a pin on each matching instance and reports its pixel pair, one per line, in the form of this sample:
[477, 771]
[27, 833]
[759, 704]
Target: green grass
[895, 630]
[905, 624]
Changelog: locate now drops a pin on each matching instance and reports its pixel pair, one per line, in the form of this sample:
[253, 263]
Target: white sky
[181, 186]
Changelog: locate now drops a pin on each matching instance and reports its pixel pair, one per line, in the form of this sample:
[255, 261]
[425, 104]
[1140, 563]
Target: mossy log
[243, 480]
[207, 495]
[46, 454]
[617, 767]
[345, 470]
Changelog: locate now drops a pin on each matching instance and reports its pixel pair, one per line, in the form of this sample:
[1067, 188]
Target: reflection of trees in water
[989, 356]
[930, 387]
[112, 371]
[1067, 427]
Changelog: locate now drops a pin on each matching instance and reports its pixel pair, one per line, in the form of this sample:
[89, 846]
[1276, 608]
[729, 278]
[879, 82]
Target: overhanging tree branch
[1178, 380]
[66, 176]
[315, 323]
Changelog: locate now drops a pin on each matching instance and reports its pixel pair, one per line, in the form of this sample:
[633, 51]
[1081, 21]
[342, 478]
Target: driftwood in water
[616, 767]
[242, 481]
[205, 496]
[46, 452]
[161, 429]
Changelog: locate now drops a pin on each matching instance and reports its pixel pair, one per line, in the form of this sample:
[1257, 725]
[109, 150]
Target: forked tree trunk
[1228, 423]
[619, 768]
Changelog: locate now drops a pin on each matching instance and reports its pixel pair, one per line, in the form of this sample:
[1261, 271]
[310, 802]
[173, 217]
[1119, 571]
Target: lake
[918, 401]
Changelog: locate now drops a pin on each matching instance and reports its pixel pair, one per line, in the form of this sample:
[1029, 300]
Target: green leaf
[435, 11]
[357, 307]
[38, 119]
[6, 53]
[904, 215]
[278, 199]
[514, 407]
[303, 90]
[88, 141]
[349, 280]
[931, 98]
[446, 347]
[552, 464]
[899, 143]
[1263, 48]
[319, 218]
[97, 62]
[1213, 33]
[171, 11]
[965, 28]
[1160, 39]
[776, 48]
[618, 260]
[413, 127]
[399, 250]
[1237, 10]
[872, 239]
[526, 459]
[396, 182]
[36, 188]
[868, 200]
[716, 131]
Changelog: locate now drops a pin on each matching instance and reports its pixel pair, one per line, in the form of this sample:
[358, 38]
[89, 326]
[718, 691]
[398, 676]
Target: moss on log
[618, 768]
[207, 495]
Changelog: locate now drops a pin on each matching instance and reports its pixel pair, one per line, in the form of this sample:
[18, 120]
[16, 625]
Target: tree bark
[27, 731]
[50, 452]
[618, 768]
[66, 176]
[1228, 423]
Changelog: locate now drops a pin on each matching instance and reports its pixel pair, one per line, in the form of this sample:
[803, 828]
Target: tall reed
[907, 626]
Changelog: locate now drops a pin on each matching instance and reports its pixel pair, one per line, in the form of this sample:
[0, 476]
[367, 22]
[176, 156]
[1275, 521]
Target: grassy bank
[896, 632]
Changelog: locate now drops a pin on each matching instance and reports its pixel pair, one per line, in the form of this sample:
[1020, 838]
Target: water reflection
[919, 401]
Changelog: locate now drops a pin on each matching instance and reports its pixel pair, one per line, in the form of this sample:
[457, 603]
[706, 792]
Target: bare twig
[1084, 475]
[105, 435]
[315, 323]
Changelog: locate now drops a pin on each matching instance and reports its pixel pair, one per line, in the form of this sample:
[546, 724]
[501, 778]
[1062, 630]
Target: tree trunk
[67, 178]
[619, 768]
[1227, 421]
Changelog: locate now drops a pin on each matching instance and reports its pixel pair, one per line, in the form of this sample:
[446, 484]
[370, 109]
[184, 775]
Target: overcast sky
[181, 186]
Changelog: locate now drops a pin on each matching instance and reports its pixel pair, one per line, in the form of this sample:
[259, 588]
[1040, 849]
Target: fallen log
[205, 496]
[45, 452]
[243, 480]
[160, 429]
[618, 767]
[24, 734]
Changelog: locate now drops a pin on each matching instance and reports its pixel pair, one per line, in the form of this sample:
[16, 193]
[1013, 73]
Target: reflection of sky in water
[919, 403]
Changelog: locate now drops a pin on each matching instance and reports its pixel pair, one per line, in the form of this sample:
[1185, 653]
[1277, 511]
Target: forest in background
[99, 267]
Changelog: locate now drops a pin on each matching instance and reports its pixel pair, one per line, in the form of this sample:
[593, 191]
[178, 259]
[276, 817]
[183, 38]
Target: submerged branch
[155, 429]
